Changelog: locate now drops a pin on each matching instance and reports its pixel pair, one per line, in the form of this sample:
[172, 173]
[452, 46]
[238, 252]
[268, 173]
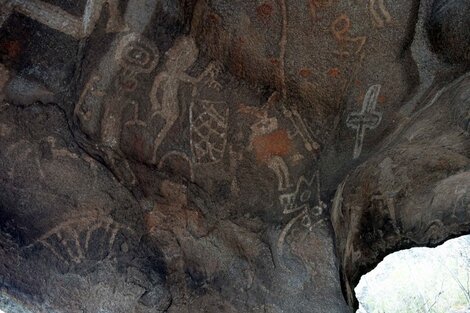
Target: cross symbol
[368, 118]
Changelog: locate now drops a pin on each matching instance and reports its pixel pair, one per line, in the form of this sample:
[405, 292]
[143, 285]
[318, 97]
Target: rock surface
[225, 156]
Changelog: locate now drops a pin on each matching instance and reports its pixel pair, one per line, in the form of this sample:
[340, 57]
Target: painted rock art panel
[225, 156]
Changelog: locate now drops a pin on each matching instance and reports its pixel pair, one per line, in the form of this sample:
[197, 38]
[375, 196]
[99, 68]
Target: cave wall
[225, 156]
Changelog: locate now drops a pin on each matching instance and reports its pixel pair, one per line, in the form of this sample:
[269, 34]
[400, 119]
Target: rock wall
[225, 156]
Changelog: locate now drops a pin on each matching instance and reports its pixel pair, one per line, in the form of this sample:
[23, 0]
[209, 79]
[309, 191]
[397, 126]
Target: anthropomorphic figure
[164, 93]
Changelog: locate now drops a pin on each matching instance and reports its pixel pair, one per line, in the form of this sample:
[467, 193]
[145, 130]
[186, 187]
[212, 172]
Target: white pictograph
[135, 121]
[164, 93]
[306, 202]
[279, 167]
[381, 16]
[135, 55]
[209, 121]
[89, 106]
[182, 156]
[301, 198]
[367, 118]
[70, 242]
[301, 129]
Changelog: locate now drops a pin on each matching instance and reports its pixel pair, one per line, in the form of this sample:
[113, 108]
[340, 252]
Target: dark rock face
[225, 156]
[449, 30]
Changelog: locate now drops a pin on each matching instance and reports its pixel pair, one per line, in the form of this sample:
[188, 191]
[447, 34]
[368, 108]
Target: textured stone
[225, 156]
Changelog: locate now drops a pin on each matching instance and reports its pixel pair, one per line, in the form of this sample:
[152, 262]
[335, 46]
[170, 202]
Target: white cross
[368, 118]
